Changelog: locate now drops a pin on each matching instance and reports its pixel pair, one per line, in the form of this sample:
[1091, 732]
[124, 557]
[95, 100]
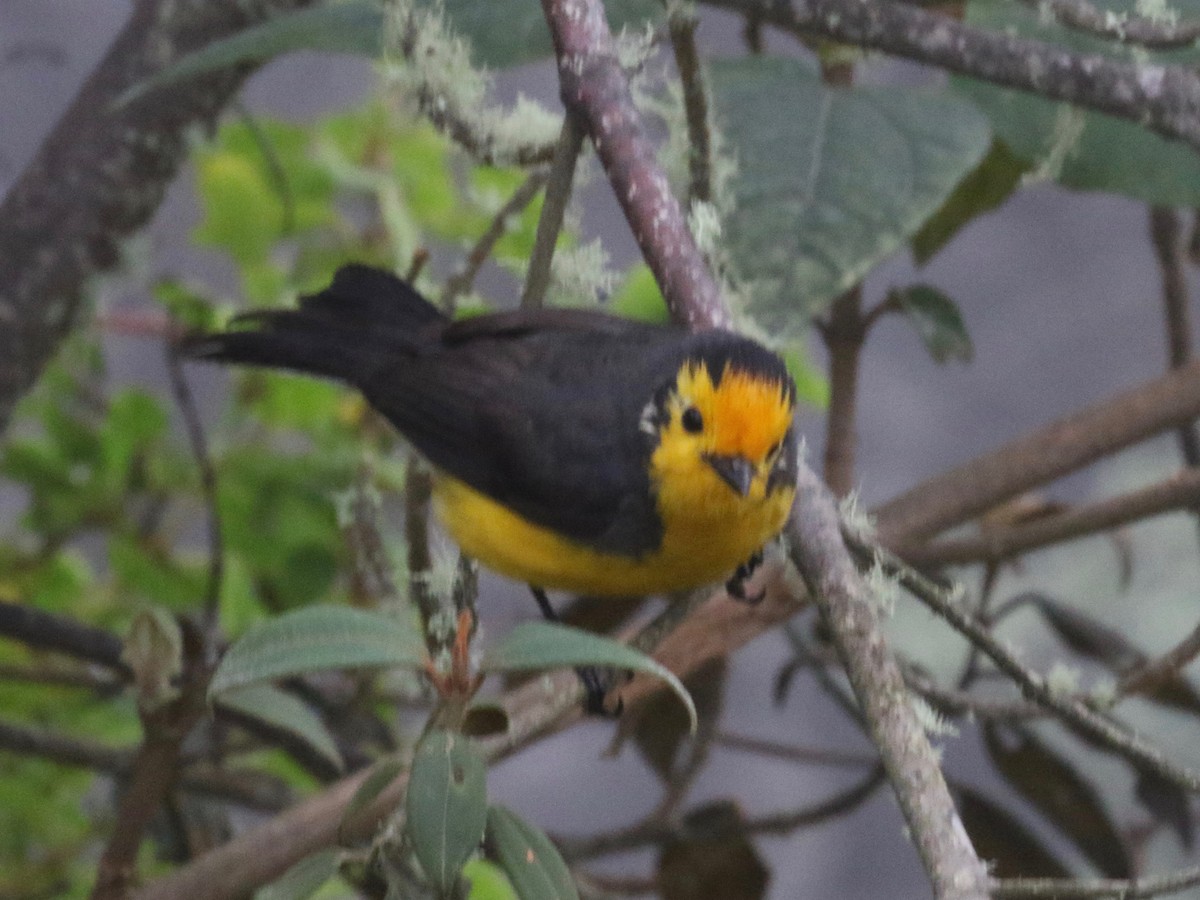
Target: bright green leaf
[528, 857]
[488, 882]
[446, 805]
[640, 298]
[938, 322]
[832, 180]
[303, 879]
[547, 645]
[284, 711]
[242, 214]
[317, 638]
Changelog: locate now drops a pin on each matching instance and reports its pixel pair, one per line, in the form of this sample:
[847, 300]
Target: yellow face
[719, 444]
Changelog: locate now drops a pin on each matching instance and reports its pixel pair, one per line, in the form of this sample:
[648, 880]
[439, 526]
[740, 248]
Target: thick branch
[100, 175]
[1165, 99]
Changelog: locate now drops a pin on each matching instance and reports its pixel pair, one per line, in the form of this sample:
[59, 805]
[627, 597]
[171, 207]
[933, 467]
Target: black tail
[365, 318]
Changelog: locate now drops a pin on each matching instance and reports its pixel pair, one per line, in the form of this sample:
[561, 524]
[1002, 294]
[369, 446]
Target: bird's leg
[736, 585]
[594, 686]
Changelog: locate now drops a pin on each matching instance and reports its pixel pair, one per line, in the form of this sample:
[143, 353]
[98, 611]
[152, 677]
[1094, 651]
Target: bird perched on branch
[572, 449]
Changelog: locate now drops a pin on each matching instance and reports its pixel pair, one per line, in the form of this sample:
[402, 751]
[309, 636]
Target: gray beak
[735, 471]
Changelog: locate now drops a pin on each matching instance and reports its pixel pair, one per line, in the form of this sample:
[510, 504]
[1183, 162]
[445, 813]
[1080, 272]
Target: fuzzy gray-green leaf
[318, 638]
[532, 863]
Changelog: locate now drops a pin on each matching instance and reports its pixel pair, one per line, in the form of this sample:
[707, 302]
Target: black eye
[692, 420]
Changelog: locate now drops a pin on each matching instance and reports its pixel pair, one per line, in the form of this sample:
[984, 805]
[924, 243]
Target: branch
[1098, 430]
[1125, 28]
[48, 631]
[554, 207]
[1063, 888]
[100, 175]
[1179, 491]
[594, 89]
[682, 29]
[1165, 99]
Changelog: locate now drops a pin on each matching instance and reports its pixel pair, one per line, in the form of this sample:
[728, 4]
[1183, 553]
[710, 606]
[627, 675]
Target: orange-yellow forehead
[745, 413]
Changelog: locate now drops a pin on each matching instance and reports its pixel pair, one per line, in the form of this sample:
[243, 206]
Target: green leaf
[832, 180]
[1085, 150]
[316, 638]
[354, 27]
[303, 879]
[446, 805]
[640, 297]
[991, 183]
[532, 863]
[488, 882]
[547, 645]
[284, 711]
[937, 320]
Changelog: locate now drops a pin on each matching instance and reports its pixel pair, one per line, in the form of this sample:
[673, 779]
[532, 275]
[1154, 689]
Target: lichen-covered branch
[100, 175]
[1165, 99]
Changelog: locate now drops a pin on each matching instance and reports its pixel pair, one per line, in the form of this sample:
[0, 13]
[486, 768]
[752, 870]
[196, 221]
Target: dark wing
[542, 419]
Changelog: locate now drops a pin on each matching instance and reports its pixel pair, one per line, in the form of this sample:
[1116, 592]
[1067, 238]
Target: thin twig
[186, 405]
[57, 676]
[1179, 491]
[1146, 678]
[843, 334]
[154, 771]
[1166, 235]
[1096, 431]
[682, 29]
[461, 282]
[814, 756]
[1126, 28]
[1125, 889]
[554, 208]
[1070, 709]
[48, 631]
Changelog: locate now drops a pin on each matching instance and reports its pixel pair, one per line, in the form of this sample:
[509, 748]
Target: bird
[571, 449]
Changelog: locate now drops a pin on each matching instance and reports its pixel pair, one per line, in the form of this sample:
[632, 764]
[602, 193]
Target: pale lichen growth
[430, 67]
[1105, 692]
[1157, 11]
[884, 589]
[1069, 123]
[931, 721]
[1062, 680]
[705, 223]
[581, 275]
[855, 518]
[635, 47]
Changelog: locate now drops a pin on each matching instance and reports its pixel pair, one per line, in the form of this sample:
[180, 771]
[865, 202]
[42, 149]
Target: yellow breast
[708, 530]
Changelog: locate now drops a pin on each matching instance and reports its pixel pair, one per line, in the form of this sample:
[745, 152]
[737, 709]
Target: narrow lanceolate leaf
[937, 321]
[282, 710]
[317, 638]
[446, 805]
[1064, 796]
[832, 180]
[545, 645]
[303, 879]
[354, 27]
[529, 859]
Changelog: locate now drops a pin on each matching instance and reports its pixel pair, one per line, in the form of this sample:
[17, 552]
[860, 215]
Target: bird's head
[723, 425]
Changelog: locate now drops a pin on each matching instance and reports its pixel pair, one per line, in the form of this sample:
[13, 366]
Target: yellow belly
[700, 546]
